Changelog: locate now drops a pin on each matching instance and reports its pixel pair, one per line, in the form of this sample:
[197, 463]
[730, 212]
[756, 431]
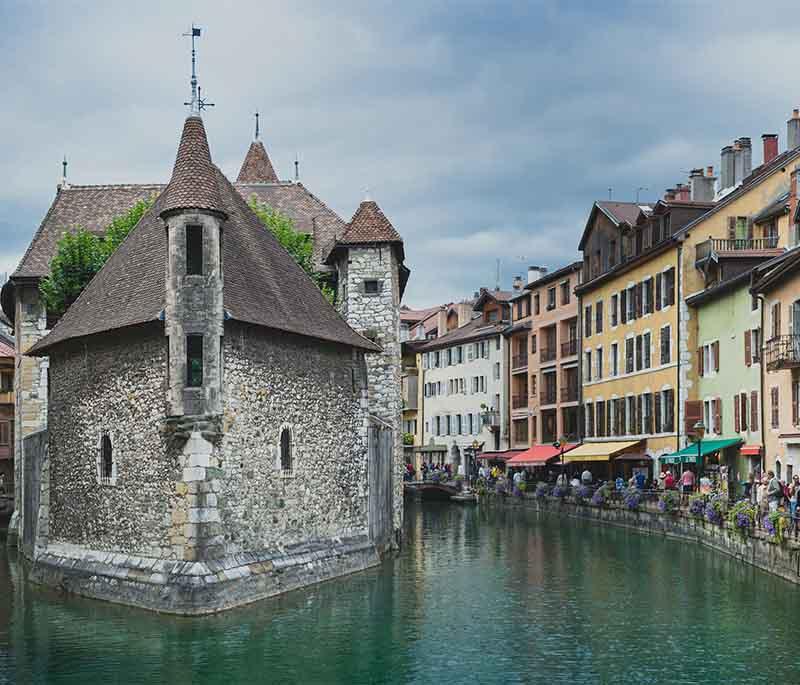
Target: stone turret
[194, 314]
[371, 278]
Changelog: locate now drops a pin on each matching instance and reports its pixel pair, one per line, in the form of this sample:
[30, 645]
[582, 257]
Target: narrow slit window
[106, 457]
[194, 361]
[194, 250]
[371, 287]
[286, 450]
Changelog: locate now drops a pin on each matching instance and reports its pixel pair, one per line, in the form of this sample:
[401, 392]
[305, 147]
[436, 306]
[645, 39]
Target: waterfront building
[777, 285]
[543, 374]
[727, 394]
[462, 377]
[226, 409]
[7, 364]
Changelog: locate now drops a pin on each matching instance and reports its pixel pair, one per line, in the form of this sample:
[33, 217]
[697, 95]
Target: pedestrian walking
[774, 491]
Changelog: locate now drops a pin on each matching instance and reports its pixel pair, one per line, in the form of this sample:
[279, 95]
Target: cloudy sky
[484, 130]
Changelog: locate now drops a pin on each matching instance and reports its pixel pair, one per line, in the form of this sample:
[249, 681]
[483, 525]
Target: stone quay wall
[756, 549]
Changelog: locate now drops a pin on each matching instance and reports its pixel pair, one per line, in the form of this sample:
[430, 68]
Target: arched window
[286, 450]
[106, 457]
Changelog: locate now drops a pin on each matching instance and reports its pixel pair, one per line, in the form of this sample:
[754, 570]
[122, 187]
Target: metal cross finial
[64, 168]
[256, 124]
[297, 168]
[196, 104]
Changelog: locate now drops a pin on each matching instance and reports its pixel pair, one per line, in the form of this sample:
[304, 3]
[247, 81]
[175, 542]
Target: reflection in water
[478, 595]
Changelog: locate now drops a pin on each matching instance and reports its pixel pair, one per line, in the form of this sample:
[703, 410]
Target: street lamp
[472, 457]
[559, 445]
[700, 432]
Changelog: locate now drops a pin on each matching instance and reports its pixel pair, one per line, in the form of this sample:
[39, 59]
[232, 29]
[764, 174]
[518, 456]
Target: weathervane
[256, 124]
[197, 104]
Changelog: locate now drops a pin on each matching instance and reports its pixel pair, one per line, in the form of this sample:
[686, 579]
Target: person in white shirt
[586, 477]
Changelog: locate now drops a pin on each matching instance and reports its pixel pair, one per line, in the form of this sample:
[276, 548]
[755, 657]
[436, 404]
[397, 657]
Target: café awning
[598, 451]
[505, 455]
[751, 451]
[538, 455]
[690, 453]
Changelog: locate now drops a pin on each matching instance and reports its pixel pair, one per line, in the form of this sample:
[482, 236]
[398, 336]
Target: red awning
[751, 450]
[538, 455]
[505, 455]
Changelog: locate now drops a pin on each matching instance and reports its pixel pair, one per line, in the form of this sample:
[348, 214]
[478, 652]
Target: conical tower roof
[257, 167]
[369, 225]
[194, 180]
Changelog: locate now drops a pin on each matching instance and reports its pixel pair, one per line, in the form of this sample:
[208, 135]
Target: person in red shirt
[669, 481]
[687, 481]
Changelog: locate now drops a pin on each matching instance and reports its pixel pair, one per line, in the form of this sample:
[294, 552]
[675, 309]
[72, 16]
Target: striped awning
[598, 451]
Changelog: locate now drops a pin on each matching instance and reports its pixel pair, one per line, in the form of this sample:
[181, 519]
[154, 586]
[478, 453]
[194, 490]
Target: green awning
[688, 455]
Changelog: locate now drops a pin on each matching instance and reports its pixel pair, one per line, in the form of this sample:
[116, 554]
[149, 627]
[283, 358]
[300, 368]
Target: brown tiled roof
[620, 212]
[257, 167]
[416, 315]
[263, 284]
[476, 329]
[91, 207]
[194, 182]
[369, 225]
[308, 213]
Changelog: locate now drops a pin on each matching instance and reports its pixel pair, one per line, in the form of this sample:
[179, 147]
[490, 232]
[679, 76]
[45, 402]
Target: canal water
[478, 595]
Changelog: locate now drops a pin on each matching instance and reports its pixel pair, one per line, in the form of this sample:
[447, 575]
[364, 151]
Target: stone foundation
[203, 587]
[756, 549]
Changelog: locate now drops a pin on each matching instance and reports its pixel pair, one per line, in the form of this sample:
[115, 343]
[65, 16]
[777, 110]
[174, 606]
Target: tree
[297, 244]
[80, 255]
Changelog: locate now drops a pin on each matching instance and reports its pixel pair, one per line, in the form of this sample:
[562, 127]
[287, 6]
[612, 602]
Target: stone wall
[30, 384]
[377, 316]
[272, 381]
[756, 549]
[114, 384]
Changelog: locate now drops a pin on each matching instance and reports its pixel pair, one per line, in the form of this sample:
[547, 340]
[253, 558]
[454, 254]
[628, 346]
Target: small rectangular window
[194, 250]
[194, 361]
[371, 287]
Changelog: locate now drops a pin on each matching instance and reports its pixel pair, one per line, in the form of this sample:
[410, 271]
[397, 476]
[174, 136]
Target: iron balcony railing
[783, 352]
[491, 418]
[569, 348]
[547, 396]
[547, 354]
[519, 361]
[569, 393]
[519, 402]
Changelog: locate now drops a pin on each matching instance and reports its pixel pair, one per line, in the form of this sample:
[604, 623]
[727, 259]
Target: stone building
[211, 417]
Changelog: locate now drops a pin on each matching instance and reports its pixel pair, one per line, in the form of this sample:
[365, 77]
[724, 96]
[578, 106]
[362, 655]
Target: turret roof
[257, 167]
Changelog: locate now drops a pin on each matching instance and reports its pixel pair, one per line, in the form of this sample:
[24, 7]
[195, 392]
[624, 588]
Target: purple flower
[560, 491]
[696, 507]
[541, 490]
[712, 515]
[662, 506]
[584, 492]
[632, 500]
[598, 499]
[769, 526]
[517, 492]
[743, 521]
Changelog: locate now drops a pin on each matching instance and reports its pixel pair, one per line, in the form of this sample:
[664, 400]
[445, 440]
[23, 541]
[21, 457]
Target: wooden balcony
[491, 419]
[713, 248]
[783, 352]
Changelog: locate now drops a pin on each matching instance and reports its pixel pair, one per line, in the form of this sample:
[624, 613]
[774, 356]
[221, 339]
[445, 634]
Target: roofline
[767, 282]
[438, 343]
[555, 275]
[704, 296]
[624, 267]
[778, 163]
[596, 206]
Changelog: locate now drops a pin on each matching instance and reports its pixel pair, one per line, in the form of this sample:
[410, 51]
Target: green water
[477, 596]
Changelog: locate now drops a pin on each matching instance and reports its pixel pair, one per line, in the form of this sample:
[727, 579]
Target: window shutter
[623, 306]
[795, 403]
[748, 353]
[693, 412]
[622, 422]
[744, 411]
[749, 229]
[754, 410]
[658, 291]
[609, 427]
[731, 228]
[669, 411]
[657, 413]
[638, 299]
[700, 362]
[718, 415]
[671, 286]
[736, 427]
[640, 414]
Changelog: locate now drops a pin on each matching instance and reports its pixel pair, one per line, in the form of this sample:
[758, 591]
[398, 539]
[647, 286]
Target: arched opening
[286, 450]
[778, 468]
[106, 457]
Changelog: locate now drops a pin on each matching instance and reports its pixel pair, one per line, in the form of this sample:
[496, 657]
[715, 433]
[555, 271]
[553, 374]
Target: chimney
[464, 310]
[535, 273]
[770, 141]
[681, 193]
[747, 157]
[669, 194]
[441, 322]
[793, 130]
[516, 286]
[726, 167]
[701, 186]
[738, 163]
[709, 171]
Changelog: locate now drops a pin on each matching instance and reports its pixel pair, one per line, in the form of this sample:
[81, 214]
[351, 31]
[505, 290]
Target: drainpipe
[763, 382]
[581, 405]
[678, 306]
